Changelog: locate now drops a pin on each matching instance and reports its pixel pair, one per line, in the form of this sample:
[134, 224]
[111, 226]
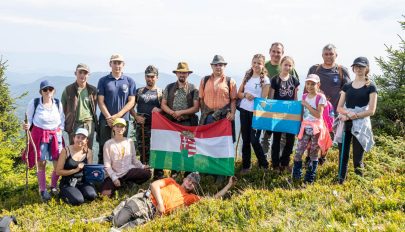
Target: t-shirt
[116, 93]
[147, 99]
[312, 101]
[330, 81]
[284, 90]
[274, 70]
[174, 196]
[358, 97]
[83, 106]
[253, 87]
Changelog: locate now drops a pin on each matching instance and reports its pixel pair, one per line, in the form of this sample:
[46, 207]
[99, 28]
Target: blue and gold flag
[277, 115]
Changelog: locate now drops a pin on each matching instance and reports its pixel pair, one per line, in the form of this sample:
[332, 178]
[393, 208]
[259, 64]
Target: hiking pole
[237, 144]
[341, 154]
[26, 153]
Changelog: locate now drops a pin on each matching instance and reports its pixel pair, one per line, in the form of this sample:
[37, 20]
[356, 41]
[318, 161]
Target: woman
[73, 189]
[358, 101]
[255, 84]
[120, 161]
[45, 121]
[284, 86]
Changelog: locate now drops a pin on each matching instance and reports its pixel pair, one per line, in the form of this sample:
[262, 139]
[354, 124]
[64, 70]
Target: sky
[52, 37]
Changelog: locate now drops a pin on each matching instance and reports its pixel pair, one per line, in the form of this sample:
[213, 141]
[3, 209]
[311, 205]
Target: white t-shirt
[253, 87]
[312, 101]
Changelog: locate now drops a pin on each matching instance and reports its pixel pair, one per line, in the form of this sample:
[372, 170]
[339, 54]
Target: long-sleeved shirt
[120, 157]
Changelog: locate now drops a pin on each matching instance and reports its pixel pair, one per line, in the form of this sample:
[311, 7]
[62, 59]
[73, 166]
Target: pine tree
[390, 115]
[10, 140]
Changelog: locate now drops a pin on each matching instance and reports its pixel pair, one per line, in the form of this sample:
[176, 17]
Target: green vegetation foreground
[261, 200]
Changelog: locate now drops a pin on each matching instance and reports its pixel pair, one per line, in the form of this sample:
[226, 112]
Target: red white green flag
[206, 149]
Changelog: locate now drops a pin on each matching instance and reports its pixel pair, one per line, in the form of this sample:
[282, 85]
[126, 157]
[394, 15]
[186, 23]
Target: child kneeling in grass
[313, 130]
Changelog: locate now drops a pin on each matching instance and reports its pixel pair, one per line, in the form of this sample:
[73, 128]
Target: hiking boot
[244, 171]
[297, 170]
[45, 196]
[311, 172]
[54, 191]
[322, 160]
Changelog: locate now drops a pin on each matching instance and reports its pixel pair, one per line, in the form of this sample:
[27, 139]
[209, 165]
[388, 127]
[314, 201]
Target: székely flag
[206, 149]
[277, 115]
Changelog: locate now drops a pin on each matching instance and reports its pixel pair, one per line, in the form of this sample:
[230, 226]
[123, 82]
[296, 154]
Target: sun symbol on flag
[187, 142]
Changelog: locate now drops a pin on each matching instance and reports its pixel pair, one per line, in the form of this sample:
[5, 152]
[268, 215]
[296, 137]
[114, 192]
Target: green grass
[262, 200]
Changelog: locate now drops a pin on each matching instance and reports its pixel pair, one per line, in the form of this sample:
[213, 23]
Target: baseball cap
[45, 84]
[313, 77]
[151, 71]
[361, 61]
[82, 131]
[119, 121]
[82, 66]
[194, 177]
[117, 57]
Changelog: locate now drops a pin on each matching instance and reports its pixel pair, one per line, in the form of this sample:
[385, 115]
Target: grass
[262, 200]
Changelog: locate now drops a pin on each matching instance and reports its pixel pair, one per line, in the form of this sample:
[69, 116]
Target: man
[332, 75]
[116, 97]
[147, 100]
[79, 102]
[165, 195]
[276, 52]
[218, 94]
[180, 99]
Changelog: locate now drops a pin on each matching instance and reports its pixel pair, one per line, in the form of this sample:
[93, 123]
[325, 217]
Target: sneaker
[244, 171]
[54, 191]
[45, 196]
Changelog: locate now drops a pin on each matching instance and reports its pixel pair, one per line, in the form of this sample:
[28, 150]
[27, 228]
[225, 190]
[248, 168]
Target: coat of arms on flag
[206, 149]
[187, 142]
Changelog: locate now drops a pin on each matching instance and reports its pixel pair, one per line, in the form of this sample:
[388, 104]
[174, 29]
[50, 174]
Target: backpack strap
[317, 99]
[340, 75]
[138, 93]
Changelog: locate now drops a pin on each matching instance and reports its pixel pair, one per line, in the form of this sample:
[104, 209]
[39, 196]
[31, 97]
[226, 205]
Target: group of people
[217, 97]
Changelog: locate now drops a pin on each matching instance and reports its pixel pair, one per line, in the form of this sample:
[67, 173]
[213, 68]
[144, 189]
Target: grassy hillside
[262, 200]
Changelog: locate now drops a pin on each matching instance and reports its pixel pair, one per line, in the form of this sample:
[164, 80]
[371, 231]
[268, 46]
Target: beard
[182, 79]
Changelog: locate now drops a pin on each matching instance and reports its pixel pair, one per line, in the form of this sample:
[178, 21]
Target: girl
[313, 129]
[120, 161]
[283, 87]
[358, 101]
[70, 165]
[255, 84]
[45, 121]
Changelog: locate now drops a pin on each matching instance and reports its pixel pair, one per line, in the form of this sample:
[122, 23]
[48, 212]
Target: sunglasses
[46, 89]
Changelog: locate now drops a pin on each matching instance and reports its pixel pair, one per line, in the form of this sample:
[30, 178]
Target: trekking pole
[237, 144]
[26, 153]
[341, 153]
[35, 150]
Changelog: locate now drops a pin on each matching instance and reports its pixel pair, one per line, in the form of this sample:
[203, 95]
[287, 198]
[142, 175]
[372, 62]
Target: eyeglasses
[46, 89]
[117, 62]
[219, 65]
[82, 72]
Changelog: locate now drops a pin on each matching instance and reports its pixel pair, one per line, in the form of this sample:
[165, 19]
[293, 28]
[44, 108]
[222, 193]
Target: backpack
[36, 103]
[328, 111]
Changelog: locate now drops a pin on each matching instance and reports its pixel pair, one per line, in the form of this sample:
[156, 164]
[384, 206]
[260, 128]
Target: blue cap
[45, 84]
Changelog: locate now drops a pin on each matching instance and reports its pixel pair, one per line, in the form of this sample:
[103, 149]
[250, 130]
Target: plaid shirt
[216, 97]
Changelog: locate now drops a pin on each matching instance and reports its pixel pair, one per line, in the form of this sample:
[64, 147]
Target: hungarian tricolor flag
[206, 149]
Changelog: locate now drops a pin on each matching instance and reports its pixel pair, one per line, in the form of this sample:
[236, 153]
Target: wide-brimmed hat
[82, 66]
[218, 59]
[151, 71]
[117, 57]
[82, 131]
[194, 177]
[361, 61]
[313, 77]
[45, 84]
[120, 121]
[182, 67]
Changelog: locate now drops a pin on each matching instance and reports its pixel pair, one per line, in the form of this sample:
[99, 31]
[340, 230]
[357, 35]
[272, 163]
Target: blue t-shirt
[116, 93]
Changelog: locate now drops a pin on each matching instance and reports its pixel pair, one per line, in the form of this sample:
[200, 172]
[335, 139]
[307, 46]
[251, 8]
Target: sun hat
[182, 67]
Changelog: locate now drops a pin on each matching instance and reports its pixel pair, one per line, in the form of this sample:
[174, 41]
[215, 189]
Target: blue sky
[51, 37]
